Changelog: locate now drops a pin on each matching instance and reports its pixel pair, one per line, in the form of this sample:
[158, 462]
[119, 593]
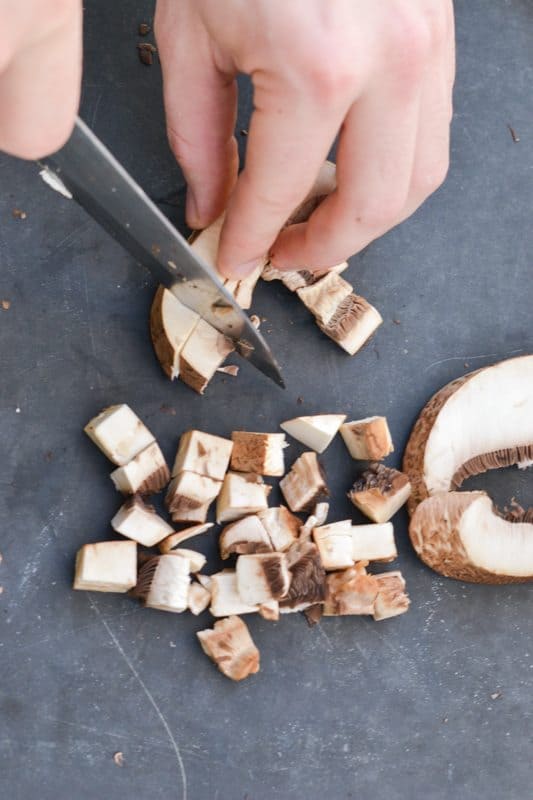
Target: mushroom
[202, 354]
[174, 540]
[190, 511]
[205, 580]
[225, 597]
[163, 583]
[241, 494]
[315, 520]
[460, 535]
[146, 473]
[140, 522]
[196, 560]
[204, 454]
[380, 492]
[391, 599]
[305, 484]
[106, 567]
[281, 526]
[351, 591]
[334, 542]
[119, 433]
[171, 324]
[247, 535]
[231, 647]
[367, 439]
[198, 598]
[188, 492]
[316, 432]
[298, 279]
[307, 577]
[269, 610]
[261, 453]
[373, 542]
[323, 297]
[478, 422]
[262, 577]
[352, 324]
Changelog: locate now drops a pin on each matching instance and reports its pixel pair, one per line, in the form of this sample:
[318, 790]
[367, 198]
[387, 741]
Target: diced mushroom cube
[315, 432]
[225, 597]
[203, 454]
[262, 577]
[203, 352]
[281, 526]
[188, 492]
[261, 453]
[351, 591]
[163, 583]
[352, 324]
[392, 599]
[246, 535]
[119, 433]
[106, 567]
[231, 648]
[305, 484]
[146, 473]
[334, 542]
[199, 598]
[139, 522]
[373, 542]
[380, 492]
[323, 297]
[241, 494]
[368, 439]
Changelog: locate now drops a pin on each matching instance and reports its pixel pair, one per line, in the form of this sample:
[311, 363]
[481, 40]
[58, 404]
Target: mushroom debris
[190, 349]
[481, 421]
[280, 563]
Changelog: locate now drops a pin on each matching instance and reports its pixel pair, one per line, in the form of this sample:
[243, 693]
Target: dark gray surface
[398, 709]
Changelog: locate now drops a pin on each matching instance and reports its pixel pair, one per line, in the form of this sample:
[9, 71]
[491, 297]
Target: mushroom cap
[481, 421]
[460, 535]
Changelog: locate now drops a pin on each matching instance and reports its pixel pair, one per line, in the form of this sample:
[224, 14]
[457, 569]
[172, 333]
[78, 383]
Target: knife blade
[86, 170]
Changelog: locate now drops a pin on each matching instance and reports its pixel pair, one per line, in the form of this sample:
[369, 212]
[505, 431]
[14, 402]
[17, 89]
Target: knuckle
[328, 74]
[409, 39]
[427, 180]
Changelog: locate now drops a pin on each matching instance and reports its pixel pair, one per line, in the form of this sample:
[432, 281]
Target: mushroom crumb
[231, 647]
[118, 758]
[6, 305]
[18, 213]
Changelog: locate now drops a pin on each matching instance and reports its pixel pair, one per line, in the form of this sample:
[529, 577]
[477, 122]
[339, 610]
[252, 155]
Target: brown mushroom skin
[446, 554]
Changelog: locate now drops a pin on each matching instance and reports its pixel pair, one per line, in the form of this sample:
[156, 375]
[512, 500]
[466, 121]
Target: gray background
[352, 708]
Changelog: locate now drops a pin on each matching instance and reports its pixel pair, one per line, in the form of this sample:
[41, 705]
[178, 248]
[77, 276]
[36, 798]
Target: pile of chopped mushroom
[282, 563]
[190, 349]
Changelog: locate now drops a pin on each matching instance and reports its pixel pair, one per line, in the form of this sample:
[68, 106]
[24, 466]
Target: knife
[85, 170]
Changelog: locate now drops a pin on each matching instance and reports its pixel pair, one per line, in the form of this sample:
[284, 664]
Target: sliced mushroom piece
[305, 484]
[323, 297]
[197, 561]
[460, 535]
[189, 491]
[270, 610]
[299, 279]
[368, 439]
[146, 473]
[247, 535]
[373, 542]
[316, 432]
[225, 597]
[308, 577]
[351, 591]
[281, 526]
[173, 541]
[198, 598]
[392, 599]
[163, 583]
[203, 352]
[204, 454]
[138, 521]
[321, 513]
[481, 421]
[231, 647]
[241, 494]
[261, 453]
[262, 577]
[335, 545]
[119, 433]
[352, 324]
[315, 520]
[171, 324]
[190, 511]
[106, 567]
[242, 290]
[380, 492]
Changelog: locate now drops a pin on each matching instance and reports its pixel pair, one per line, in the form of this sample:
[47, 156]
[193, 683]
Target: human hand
[381, 73]
[40, 71]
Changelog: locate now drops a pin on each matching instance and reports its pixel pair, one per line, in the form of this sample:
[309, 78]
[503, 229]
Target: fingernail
[239, 271]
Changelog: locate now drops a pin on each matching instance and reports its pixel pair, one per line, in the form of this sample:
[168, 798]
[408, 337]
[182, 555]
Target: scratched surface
[435, 704]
